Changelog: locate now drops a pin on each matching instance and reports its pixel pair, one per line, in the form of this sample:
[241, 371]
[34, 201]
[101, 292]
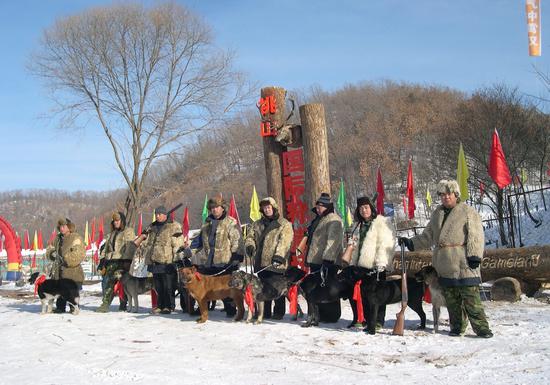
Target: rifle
[399, 326]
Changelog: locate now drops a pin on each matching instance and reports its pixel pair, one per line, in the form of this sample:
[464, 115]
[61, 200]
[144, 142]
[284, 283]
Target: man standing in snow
[268, 244]
[456, 232]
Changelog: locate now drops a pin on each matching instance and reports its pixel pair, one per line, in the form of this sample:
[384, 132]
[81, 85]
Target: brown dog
[206, 288]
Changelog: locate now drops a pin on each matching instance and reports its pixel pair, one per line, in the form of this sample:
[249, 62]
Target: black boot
[229, 307]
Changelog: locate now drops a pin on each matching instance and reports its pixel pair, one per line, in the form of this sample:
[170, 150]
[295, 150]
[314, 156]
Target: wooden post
[314, 137]
[273, 150]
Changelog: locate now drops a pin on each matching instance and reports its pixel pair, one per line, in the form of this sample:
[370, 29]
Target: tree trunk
[500, 215]
[528, 264]
[273, 150]
[314, 135]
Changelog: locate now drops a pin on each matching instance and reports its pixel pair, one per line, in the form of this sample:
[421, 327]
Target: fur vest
[276, 241]
[326, 240]
[461, 236]
[121, 242]
[162, 247]
[378, 247]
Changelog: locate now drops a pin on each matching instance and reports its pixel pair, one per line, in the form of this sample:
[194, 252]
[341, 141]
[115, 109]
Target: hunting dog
[375, 293]
[50, 289]
[206, 288]
[277, 286]
[429, 276]
[133, 287]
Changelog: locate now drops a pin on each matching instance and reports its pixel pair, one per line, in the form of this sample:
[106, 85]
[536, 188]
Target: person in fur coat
[372, 244]
[67, 253]
[456, 233]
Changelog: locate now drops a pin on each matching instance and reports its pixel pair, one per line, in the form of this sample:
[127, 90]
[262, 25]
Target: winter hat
[215, 202]
[324, 200]
[118, 216]
[448, 186]
[269, 201]
[161, 210]
[361, 201]
[62, 222]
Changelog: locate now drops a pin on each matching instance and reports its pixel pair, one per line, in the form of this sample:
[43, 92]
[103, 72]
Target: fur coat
[461, 236]
[120, 245]
[228, 240]
[275, 241]
[73, 252]
[326, 240]
[378, 247]
[162, 246]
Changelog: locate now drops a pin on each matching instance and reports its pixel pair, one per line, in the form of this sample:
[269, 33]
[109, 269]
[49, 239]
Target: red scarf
[119, 289]
[359, 301]
[38, 282]
[293, 299]
[427, 295]
[249, 298]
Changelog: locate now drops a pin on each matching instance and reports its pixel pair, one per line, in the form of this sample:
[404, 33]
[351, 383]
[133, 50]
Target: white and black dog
[50, 289]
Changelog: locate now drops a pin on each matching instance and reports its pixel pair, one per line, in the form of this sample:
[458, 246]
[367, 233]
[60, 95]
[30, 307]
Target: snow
[122, 348]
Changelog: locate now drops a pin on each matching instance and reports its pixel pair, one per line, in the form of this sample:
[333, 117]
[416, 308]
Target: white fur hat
[448, 186]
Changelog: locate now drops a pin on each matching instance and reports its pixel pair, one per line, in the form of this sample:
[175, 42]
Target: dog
[133, 287]
[376, 293]
[277, 287]
[50, 289]
[428, 275]
[204, 288]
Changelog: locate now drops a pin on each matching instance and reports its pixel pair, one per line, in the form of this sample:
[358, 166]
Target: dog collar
[198, 275]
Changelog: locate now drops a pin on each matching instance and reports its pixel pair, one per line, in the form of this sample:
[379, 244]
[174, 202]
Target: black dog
[377, 292]
[50, 289]
[322, 290]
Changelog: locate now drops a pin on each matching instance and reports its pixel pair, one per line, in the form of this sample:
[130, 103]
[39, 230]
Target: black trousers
[165, 286]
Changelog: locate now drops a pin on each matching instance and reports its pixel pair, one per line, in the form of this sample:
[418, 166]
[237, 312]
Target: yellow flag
[86, 234]
[462, 175]
[428, 198]
[523, 175]
[154, 217]
[349, 218]
[255, 206]
[35, 241]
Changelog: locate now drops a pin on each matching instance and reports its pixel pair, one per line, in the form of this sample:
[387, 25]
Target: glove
[250, 250]
[407, 242]
[236, 257]
[277, 260]
[473, 261]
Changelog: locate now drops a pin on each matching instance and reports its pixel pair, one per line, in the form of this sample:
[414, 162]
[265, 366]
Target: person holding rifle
[162, 241]
[66, 253]
[456, 233]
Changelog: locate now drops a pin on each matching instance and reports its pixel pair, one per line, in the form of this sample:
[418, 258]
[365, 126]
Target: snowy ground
[122, 348]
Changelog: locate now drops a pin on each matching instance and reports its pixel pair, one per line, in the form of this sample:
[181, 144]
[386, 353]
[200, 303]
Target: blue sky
[289, 43]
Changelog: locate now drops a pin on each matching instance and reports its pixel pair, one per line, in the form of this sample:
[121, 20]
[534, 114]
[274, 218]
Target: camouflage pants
[463, 303]
[110, 281]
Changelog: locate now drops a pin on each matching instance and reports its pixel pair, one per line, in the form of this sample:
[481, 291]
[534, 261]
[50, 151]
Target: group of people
[454, 232]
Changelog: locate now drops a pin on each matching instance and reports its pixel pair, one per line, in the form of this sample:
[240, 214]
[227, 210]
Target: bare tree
[149, 77]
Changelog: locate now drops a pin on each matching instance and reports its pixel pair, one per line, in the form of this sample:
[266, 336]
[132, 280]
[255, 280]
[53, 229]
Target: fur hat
[324, 200]
[361, 201]
[161, 210]
[448, 186]
[66, 221]
[269, 201]
[118, 216]
[215, 202]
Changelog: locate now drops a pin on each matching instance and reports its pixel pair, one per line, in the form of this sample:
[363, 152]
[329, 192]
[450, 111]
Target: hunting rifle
[148, 229]
[399, 326]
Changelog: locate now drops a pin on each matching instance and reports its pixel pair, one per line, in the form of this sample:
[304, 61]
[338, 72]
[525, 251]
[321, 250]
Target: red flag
[140, 224]
[404, 205]
[380, 190]
[52, 237]
[33, 263]
[92, 235]
[101, 232]
[410, 191]
[498, 169]
[40, 242]
[172, 216]
[185, 223]
[27, 241]
[233, 211]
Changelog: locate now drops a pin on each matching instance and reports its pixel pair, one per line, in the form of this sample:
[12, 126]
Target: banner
[532, 8]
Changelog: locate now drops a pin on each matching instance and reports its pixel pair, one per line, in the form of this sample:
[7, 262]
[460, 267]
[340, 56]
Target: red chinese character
[293, 187]
[267, 105]
[293, 161]
[296, 210]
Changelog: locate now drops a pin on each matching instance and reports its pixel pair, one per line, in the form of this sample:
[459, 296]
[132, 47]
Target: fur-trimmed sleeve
[76, 252]
[425, 240]
[335, 236]
[252, 235]
[176, 241]
[236, 239]
[385, 247]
